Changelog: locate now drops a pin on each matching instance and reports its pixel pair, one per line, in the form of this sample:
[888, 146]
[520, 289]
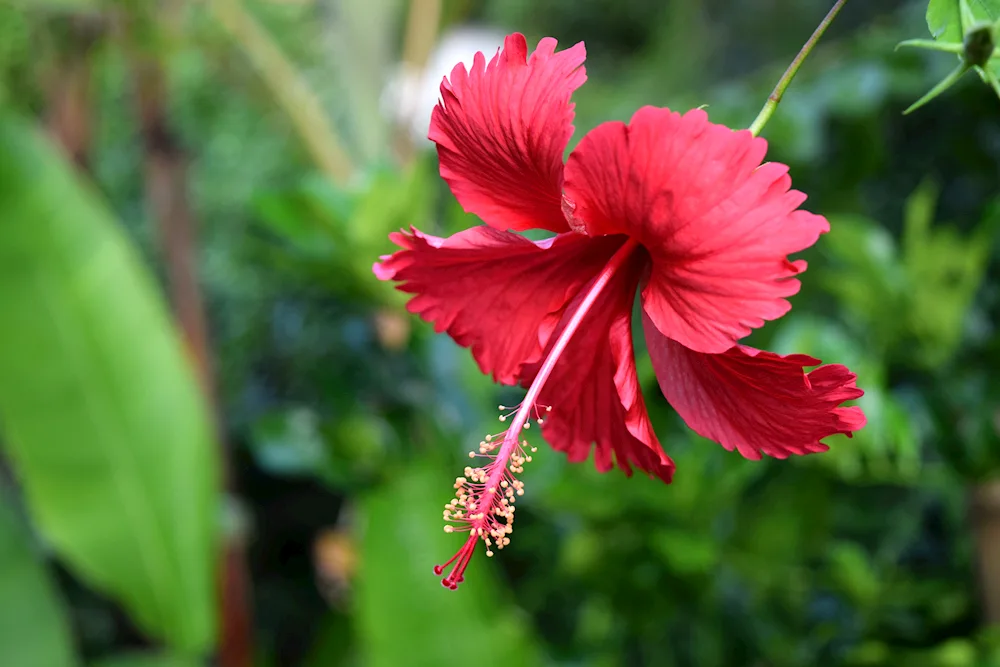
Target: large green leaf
[944, 17]
[404, 615]
[33, 629]
[944, 20]
[101, 413]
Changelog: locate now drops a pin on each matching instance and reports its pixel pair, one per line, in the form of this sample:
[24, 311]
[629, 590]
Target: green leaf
[334, 234]
[687, 552]
[867, 276]
[944, 20]
[391, 200]
[958, 652]
[944, 17]
[948, 268]
[853, 573]
[969, 28]
[404, 615]
[102, 415]
[946, 24]
[148, 660]
[33, 628]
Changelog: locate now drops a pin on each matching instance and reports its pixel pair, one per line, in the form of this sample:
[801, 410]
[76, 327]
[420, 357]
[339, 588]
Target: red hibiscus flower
[672, 205]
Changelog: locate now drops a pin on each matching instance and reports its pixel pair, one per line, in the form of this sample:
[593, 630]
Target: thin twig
[422, 24]
[289, 89]
[779, 89]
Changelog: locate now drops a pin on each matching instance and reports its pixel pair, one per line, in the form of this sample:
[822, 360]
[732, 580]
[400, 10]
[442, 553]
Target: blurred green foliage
[348, 418]
[147, 660]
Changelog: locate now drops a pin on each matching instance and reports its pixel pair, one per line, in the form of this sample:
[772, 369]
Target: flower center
[484, 497]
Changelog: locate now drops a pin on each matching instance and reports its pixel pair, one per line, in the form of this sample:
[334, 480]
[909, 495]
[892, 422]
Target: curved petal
[754, 401]
[495, 292]
[594, 389]
[501, 130]
[718, 224]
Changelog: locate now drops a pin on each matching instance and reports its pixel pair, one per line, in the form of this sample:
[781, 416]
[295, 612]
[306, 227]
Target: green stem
[422, 25]
[786, 78]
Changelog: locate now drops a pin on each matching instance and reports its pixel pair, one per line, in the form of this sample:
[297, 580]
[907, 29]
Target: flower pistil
[484, 496]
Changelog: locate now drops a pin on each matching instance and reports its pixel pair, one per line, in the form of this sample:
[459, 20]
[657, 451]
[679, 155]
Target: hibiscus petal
[493, 291]
[754, 401]
[718, 224]
[594, 389]
[501, 130]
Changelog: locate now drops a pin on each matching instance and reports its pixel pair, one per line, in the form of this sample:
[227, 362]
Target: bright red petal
[718, 224]
[495, 292]
[594, 390]
[501, 131]
[754, 401]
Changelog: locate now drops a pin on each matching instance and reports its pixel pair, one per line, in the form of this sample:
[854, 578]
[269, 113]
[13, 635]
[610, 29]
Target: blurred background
[223, 442]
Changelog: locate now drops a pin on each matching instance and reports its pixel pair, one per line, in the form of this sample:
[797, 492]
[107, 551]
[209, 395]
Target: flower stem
[786, 78]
